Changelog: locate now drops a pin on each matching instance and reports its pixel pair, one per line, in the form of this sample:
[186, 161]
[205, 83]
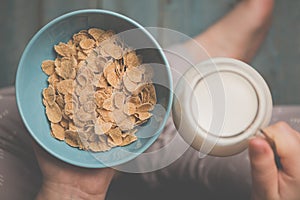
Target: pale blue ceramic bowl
[31, 80]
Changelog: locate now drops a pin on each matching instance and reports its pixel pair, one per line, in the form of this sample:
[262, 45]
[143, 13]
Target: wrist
[60, 191]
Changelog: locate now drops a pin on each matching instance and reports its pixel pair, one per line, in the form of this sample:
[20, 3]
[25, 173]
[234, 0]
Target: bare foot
[240, 33]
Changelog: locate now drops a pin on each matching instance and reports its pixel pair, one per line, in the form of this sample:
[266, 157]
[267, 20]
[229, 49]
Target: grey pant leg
[20, 177]
[216, 177]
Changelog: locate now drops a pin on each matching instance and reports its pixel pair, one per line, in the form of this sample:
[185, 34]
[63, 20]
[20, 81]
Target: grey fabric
[188, 177]
[20, 176]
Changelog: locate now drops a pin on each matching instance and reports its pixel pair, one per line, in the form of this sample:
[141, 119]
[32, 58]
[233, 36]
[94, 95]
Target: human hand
[270, 183]
[64, 181]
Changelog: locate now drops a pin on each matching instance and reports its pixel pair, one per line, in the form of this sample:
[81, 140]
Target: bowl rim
[25, 121]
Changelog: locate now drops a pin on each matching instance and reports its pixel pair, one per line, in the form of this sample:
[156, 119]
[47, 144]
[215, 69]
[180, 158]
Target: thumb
[263, 168]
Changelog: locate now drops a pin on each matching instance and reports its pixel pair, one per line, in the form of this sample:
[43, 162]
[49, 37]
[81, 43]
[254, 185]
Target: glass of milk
[219, 104]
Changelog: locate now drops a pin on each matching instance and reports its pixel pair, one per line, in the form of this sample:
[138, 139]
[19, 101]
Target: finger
[287, 143]
[263, 169]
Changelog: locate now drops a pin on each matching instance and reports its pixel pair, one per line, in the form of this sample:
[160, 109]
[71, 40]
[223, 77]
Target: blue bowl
[31, 80]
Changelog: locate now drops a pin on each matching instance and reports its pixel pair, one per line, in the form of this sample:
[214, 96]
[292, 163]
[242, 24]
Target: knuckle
[282, 125]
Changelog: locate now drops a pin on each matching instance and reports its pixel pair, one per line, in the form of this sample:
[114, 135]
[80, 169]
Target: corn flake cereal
[98, 91]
